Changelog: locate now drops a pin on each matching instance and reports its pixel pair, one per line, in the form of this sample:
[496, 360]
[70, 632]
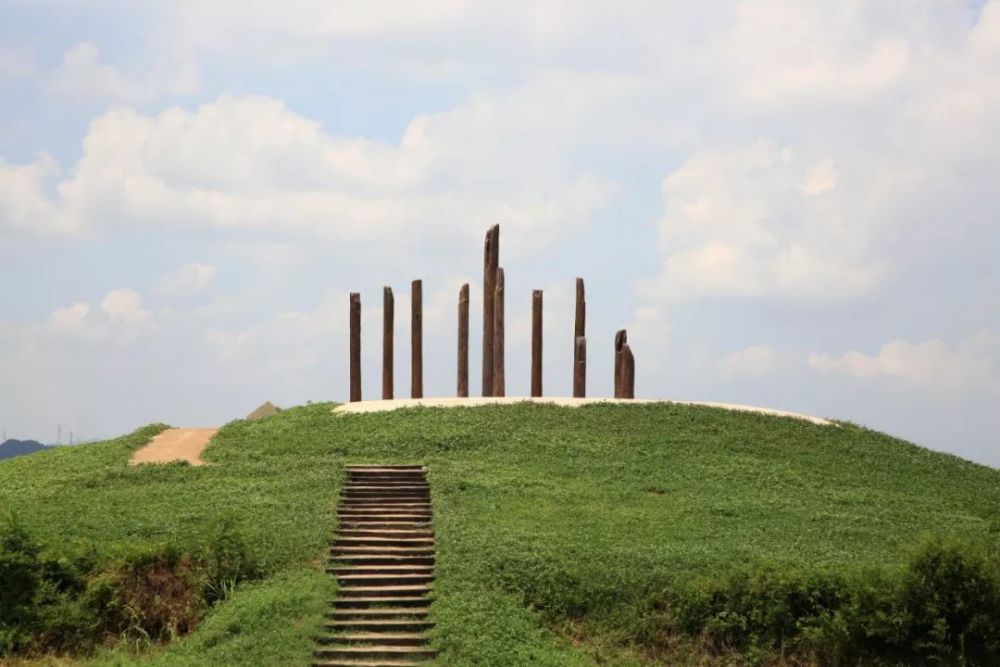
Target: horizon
[786, 204]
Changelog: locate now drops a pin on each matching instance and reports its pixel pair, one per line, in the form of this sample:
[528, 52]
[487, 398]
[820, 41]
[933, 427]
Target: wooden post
[491, 257]
[417, 339]
[620, 339]
[463, 341]
[499, 377]
[355, 371]
[580, 368]
[536, 343]
[388, 321]
[628, 372]
[580, 351]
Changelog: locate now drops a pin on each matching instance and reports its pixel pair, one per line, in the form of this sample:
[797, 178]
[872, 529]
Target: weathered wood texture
[463, 341]
[536, 343]
[417, 339]
[580, 351]
[355, 366]
[621, 337]
[580, 368]
[491, 261]
[628, 372]
[499, 376]
[388, 322]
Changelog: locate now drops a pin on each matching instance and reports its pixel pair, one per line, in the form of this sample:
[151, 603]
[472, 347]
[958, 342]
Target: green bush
[944, 608]
[75, 602]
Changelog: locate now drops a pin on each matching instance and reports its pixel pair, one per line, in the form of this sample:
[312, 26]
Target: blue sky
[787, 203]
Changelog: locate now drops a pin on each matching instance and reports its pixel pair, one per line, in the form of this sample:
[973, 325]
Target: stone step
[384, 532]
[420, 504]
[364, 560]
[375, 638]
[383, 541]
[385, 466]
[378, 602]
[371, 652]
[387, 579]
[381, 551]
[390, 590]
[390, 625]
[382, 525]
[348, 662]
[387, 480]
[376, 614]
[352, 568]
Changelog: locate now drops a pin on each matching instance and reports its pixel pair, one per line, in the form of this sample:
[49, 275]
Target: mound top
[471, 402]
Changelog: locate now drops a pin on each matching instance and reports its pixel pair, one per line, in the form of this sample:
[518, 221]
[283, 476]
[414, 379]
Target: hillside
[11, 448]
[625, 535]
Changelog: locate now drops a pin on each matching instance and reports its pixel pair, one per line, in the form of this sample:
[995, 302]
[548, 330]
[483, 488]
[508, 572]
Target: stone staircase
[383, 558]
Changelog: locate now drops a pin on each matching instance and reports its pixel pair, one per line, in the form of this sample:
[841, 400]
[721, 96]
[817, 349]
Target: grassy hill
[613, 535]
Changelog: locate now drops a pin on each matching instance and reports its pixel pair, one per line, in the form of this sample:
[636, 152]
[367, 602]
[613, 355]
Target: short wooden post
[463, 341]
[355, 372]
[580, 351]
[536, 343]
[580, 368]
[499, 376]
[388, 322]
[620, 339]
[417, 339]
[628, 372]
[491, 257]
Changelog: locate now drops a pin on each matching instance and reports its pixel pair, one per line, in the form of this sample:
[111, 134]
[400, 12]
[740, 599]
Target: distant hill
[11, 448]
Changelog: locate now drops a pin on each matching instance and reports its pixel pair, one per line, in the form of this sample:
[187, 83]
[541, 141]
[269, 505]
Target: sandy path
[381, 406]
[176, 444]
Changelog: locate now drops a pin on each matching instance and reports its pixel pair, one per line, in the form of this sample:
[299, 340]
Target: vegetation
[645, 534]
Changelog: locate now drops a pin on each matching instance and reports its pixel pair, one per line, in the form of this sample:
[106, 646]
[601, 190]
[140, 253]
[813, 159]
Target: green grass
[563, 534]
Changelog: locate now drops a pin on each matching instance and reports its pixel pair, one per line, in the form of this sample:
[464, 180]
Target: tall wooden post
[491, 258]
[499, 376]
[580, 368]
[355, 371]
[580, 350]
[417, 339]
[628, 372]
[536, 343]
[388, 321]
[463, 341]
[620, 339]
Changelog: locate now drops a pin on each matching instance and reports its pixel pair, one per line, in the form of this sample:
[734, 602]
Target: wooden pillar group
[355, 366]
[580, 343]
[463, 341]
[417, 339]
[536, 343]
[388, 321]
[499, 376]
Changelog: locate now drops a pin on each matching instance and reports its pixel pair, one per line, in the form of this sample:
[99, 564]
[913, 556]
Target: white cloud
[821, 178]
[24, 205]
[737, 224]
[757, 360]
[971, 363]
[191, 278]
[125, 305]
[249, 163]
[82, 75]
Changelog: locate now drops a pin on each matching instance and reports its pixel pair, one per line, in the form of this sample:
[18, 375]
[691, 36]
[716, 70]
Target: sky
[786, 203]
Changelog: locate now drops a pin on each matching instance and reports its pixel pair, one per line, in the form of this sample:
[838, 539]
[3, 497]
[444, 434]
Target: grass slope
[562, 533]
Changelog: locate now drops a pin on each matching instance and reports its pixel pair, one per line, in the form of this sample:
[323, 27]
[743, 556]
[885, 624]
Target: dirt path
[176, 444]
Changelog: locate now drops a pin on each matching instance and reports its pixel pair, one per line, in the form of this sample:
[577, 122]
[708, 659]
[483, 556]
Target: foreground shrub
[944, 608]
[74, 603]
